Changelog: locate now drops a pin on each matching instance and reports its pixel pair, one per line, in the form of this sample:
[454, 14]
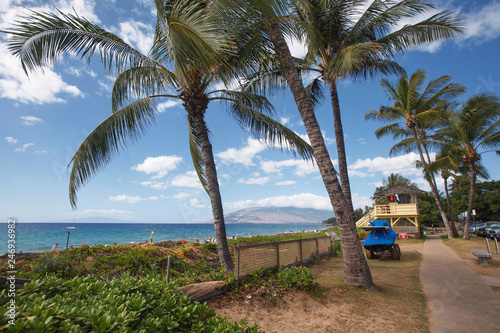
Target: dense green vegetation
[486, 201]
[124, 304]
[189, 263]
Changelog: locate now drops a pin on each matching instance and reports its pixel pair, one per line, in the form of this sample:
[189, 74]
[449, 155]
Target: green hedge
[125, 304]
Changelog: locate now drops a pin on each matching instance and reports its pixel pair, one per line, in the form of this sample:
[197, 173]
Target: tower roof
[400, 189]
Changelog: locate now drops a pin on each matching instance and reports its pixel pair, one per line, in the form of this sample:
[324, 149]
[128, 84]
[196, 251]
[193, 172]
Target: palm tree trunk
[434, 190]
[196, 109]
[339, 138]
[472, 193]
[448, 203]
[356, 270]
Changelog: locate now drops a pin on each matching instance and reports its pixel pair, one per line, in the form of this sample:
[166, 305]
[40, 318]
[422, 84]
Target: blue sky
[46, 117]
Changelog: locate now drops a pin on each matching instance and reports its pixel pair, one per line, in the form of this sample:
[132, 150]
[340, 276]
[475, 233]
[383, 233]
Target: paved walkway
[459, 299]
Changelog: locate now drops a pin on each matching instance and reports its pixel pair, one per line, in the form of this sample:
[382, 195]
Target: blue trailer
[381, 240]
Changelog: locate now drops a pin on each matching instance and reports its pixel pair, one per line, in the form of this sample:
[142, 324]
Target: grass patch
[463, 247]
[401, 303]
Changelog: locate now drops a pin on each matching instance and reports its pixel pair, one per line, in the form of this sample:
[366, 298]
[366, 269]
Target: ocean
[39, 237]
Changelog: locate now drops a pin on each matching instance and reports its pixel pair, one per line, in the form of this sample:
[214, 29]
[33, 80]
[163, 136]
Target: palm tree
[265, 18]
[344, 43]
[414, 107]
[190, 34]
[467, 134]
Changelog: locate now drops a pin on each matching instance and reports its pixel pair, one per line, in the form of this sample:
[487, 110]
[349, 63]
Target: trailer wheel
[396, 252]
[369, 254]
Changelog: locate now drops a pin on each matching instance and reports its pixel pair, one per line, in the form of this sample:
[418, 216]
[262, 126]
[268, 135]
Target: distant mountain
[277, 215]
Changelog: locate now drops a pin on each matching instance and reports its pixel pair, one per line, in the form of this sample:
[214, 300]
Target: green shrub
[297, 276]
[126, 304]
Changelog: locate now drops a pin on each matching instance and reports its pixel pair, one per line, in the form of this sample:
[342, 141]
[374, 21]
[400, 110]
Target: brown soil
[399, 307]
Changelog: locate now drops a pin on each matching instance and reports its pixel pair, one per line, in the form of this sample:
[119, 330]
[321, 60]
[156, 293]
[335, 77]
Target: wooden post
[278, 253]
[300, 244]
[317, 247]
[238, 266]
[169, 263]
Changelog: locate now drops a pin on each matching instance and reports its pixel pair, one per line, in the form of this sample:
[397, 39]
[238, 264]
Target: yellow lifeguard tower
[402, 206]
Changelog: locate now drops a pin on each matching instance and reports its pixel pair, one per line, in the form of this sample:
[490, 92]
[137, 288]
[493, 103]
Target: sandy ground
[339, 309]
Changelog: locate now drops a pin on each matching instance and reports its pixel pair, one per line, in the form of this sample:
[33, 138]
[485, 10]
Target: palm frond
[139, 82]
[444, 25]
[196, 37]
[41, 38]
[264, 127]
[315, 91]
[106, 140]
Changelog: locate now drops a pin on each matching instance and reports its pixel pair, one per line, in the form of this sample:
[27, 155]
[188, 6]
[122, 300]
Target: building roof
[400, 189]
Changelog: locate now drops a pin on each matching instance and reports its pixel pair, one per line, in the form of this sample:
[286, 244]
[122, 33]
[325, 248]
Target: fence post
[238, 263]
[317, 246]
[300, 244]
[278, 253]
[169, 263]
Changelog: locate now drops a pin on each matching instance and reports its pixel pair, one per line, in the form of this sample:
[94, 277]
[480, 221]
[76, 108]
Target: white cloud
[286, 182]
[166, 105]
[403, 165]
[48, 87]
[182, 196]
[37, 89]
[24, 147]
[10, 139]
[254, 181]
[159, 166]
[30, 120]
[301, 200]
[38, 152]
[244, 155]
[359, 201]
[79, 71]
[155, 184]
[84, 8]
[302, 167]
[483, 24]
[137, 34]
[284, 120]
[111, 213]
[297, 49]
[125, 198]
[196, 203]
[188, 179]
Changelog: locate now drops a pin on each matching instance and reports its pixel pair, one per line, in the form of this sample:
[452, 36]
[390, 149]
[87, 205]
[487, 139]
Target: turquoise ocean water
[34, 237]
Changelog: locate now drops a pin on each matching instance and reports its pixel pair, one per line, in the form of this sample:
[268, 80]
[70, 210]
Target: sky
[44, 119]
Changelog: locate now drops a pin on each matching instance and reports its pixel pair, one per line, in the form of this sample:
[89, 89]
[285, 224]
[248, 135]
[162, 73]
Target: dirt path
[458, 299]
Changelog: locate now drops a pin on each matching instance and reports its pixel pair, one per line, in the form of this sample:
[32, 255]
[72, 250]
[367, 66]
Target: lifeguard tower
[401, 211]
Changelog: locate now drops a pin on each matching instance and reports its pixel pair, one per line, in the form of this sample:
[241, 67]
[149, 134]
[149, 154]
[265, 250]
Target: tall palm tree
[468, 133]
[265, 18]
[344, 43]
[189, 34]
[414, 106]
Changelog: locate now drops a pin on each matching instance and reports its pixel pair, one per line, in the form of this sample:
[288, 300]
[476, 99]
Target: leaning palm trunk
[434, 190]
[472, 193]
[196, 110]
[448, 203]
[339, 138]
[356, 270]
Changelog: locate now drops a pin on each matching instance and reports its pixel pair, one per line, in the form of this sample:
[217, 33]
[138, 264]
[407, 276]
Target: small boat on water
[70, 227]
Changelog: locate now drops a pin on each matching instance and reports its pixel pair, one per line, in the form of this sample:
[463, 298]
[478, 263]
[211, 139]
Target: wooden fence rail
[251, 258]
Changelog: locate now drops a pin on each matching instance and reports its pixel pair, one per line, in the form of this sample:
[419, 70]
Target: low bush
[125, 304]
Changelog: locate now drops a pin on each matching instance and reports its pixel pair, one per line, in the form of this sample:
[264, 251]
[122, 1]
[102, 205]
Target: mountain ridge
[272, 214]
